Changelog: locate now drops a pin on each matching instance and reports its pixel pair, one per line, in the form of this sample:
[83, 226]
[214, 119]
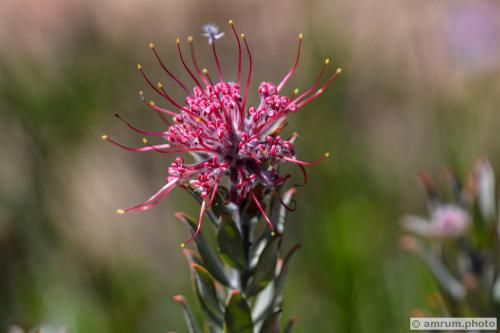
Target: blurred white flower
[446, 221]
[211, 31]
[486, 190]
[15, 329]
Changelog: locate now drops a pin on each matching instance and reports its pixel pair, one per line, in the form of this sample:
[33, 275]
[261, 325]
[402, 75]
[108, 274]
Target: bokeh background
[420, 90]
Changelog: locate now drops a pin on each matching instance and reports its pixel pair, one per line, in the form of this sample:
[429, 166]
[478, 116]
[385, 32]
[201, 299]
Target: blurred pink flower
[473, 34]
[446, 221]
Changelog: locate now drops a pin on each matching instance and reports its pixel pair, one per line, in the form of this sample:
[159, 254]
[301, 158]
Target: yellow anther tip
[151, 45]
[190, 39]
[327, 61]
[231, 22]
[327, 154]
[296, 91]
[145, 141]
[243, 36]
[204, 71]
[183, 245]
[301, 36]
[339, 70]
[139, 66]
[273, 234]
[152, 103]
[120, 211]
[104, 137]
[178, 40]
[160, 85]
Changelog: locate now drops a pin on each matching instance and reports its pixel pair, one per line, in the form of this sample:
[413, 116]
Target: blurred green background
[420, 90]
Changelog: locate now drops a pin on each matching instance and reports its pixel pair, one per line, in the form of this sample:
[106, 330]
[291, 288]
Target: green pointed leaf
[280, 281]
[213, 329]
[231, 243]
[192, 257]
[237, 318]
[290, 324]
[287, 199]
[265, 270]
[279, 285]
[188, 315]
[205, 290]
[210, 258]
[272, 323]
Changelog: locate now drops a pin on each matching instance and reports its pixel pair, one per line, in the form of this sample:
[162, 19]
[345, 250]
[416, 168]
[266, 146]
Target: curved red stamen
[153, 200]
[148, 81]
[262, 211]
[162, 118]
[159, 111]
[162, 93]
[195, 62]
[250, 65]
[292, 70]
[216, 58]
[202, 142]
[315, 84]
[283, 204]
[184, 150]
[200, 222]
[214, 191]
[231, 23]
[135, 129]
[299, 162]
[304, 173]
[320, 90]
[152, 47]
[140, 149]
[185, 66]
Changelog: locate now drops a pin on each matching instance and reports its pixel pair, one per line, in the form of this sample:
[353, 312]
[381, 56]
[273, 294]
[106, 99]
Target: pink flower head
[446, 221]
[226, 136]
[450, 220]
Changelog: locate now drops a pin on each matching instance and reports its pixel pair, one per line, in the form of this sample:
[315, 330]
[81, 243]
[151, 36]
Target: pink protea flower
[226, 136]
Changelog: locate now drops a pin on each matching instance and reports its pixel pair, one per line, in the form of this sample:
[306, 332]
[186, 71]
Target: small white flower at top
[211, 31]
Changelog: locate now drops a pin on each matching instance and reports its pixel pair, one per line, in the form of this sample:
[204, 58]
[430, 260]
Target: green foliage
[209, 256]
[231, 243]
[272, 323]
[237, 317]
[205, 290]
[265, 270]
[250, 258]
[188, 315]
